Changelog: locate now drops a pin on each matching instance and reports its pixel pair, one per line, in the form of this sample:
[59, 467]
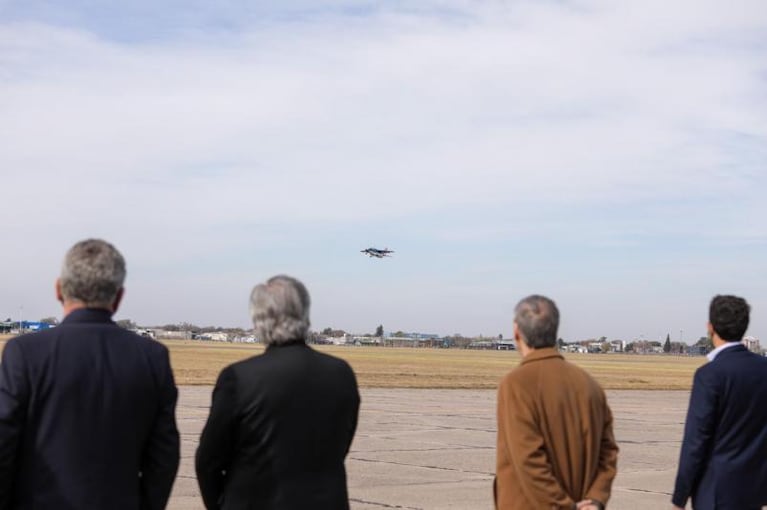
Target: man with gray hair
[87, 409]
[281, 423]
[555, 447]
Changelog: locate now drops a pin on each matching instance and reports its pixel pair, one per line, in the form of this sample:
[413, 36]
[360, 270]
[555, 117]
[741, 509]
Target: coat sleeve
[160, 459]
[14, 397]
[527, 450]
[216, 448]
[608, 460]
[698, 437]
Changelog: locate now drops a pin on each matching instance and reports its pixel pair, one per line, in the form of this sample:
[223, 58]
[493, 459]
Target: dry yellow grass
[200, 362]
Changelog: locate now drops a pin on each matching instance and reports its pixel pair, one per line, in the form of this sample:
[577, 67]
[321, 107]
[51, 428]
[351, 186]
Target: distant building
[35, 326]
[505, 345]
[409, 340]
[752, 344]
[366, 340]
[173, 335]
[482, 344]
[249, 339]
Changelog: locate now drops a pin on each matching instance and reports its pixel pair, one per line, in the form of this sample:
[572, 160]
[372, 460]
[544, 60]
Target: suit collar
[88, 315]
[290, 343]
[725, 349]
[539, 354]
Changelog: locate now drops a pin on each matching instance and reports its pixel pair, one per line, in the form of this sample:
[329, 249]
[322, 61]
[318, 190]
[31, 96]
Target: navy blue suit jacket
[87, 418]
[723, 462]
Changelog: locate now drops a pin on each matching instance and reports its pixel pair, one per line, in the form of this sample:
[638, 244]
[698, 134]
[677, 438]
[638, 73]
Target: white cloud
[390, 115]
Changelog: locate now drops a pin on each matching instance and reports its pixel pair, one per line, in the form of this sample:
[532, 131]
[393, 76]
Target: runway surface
[435, 449]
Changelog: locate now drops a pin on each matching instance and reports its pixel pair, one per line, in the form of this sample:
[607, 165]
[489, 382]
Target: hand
[589, 504]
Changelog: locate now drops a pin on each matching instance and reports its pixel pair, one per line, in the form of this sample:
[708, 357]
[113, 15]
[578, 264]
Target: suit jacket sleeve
[608, 461]
[14, 396]
[527, 450]
[160, 458]
[214, 454]
[698, 437]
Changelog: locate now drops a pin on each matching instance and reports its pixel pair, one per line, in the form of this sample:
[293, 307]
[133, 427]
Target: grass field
[200, 362]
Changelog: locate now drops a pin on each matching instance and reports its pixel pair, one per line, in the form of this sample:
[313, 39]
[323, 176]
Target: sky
[610, 155]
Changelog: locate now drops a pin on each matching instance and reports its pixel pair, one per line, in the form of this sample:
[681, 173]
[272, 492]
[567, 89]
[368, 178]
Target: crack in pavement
[378, 485]
[445, 449]
[643, 443]
[645, 491]
[384, 505]
[454, 470]
[417, 429]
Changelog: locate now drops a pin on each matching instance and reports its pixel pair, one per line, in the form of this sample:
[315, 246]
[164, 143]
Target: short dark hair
[728, 316]
[537, 318]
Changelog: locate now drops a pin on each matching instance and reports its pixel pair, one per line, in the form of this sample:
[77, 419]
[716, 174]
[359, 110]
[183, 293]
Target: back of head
[729, 317]
[93, 273]
[280, 310]
[537, 318]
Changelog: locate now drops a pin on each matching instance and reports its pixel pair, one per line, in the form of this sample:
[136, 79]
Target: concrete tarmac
[435, 449]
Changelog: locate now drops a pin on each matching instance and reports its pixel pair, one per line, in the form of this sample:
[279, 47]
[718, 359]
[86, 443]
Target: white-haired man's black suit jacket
[280, 426]
[87, 418]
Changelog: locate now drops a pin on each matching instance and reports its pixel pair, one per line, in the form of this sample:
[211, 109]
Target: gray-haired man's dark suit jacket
[86, 419]
[279, 429]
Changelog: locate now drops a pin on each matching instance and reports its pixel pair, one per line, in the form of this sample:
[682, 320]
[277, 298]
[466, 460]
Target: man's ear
[710, 330]
[118, 299]
[517, 336]
[59, 295]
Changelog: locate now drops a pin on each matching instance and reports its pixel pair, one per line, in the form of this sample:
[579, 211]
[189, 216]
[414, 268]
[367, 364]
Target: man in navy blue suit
[87, 409]
[723, 462]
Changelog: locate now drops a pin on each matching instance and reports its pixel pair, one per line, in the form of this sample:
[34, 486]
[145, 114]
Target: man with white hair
[87, 409]
[281, 423]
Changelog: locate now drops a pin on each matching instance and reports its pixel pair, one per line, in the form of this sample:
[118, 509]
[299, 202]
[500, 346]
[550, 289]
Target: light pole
[21, 323]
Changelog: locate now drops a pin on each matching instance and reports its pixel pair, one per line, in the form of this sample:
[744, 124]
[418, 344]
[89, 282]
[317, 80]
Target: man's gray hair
[280, 310]
[537, 318]
[93, 273]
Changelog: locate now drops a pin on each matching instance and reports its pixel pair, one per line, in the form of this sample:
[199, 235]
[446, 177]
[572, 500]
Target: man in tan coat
[556, 448]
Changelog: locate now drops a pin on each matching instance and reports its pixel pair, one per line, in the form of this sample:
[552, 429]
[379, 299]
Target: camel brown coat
[555, 437]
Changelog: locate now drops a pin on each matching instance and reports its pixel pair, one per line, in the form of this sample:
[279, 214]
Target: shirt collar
[88, 315]
[713, 354]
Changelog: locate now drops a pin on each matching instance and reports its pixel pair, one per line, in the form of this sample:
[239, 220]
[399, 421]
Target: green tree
[49, 320]
[379, 331]
[186, 326]
[705, 344]
[667, 345]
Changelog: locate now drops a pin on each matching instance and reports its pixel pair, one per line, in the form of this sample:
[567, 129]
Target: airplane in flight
[377, 253]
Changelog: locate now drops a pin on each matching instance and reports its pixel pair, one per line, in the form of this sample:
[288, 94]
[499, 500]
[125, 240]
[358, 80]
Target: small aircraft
[377, 253]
